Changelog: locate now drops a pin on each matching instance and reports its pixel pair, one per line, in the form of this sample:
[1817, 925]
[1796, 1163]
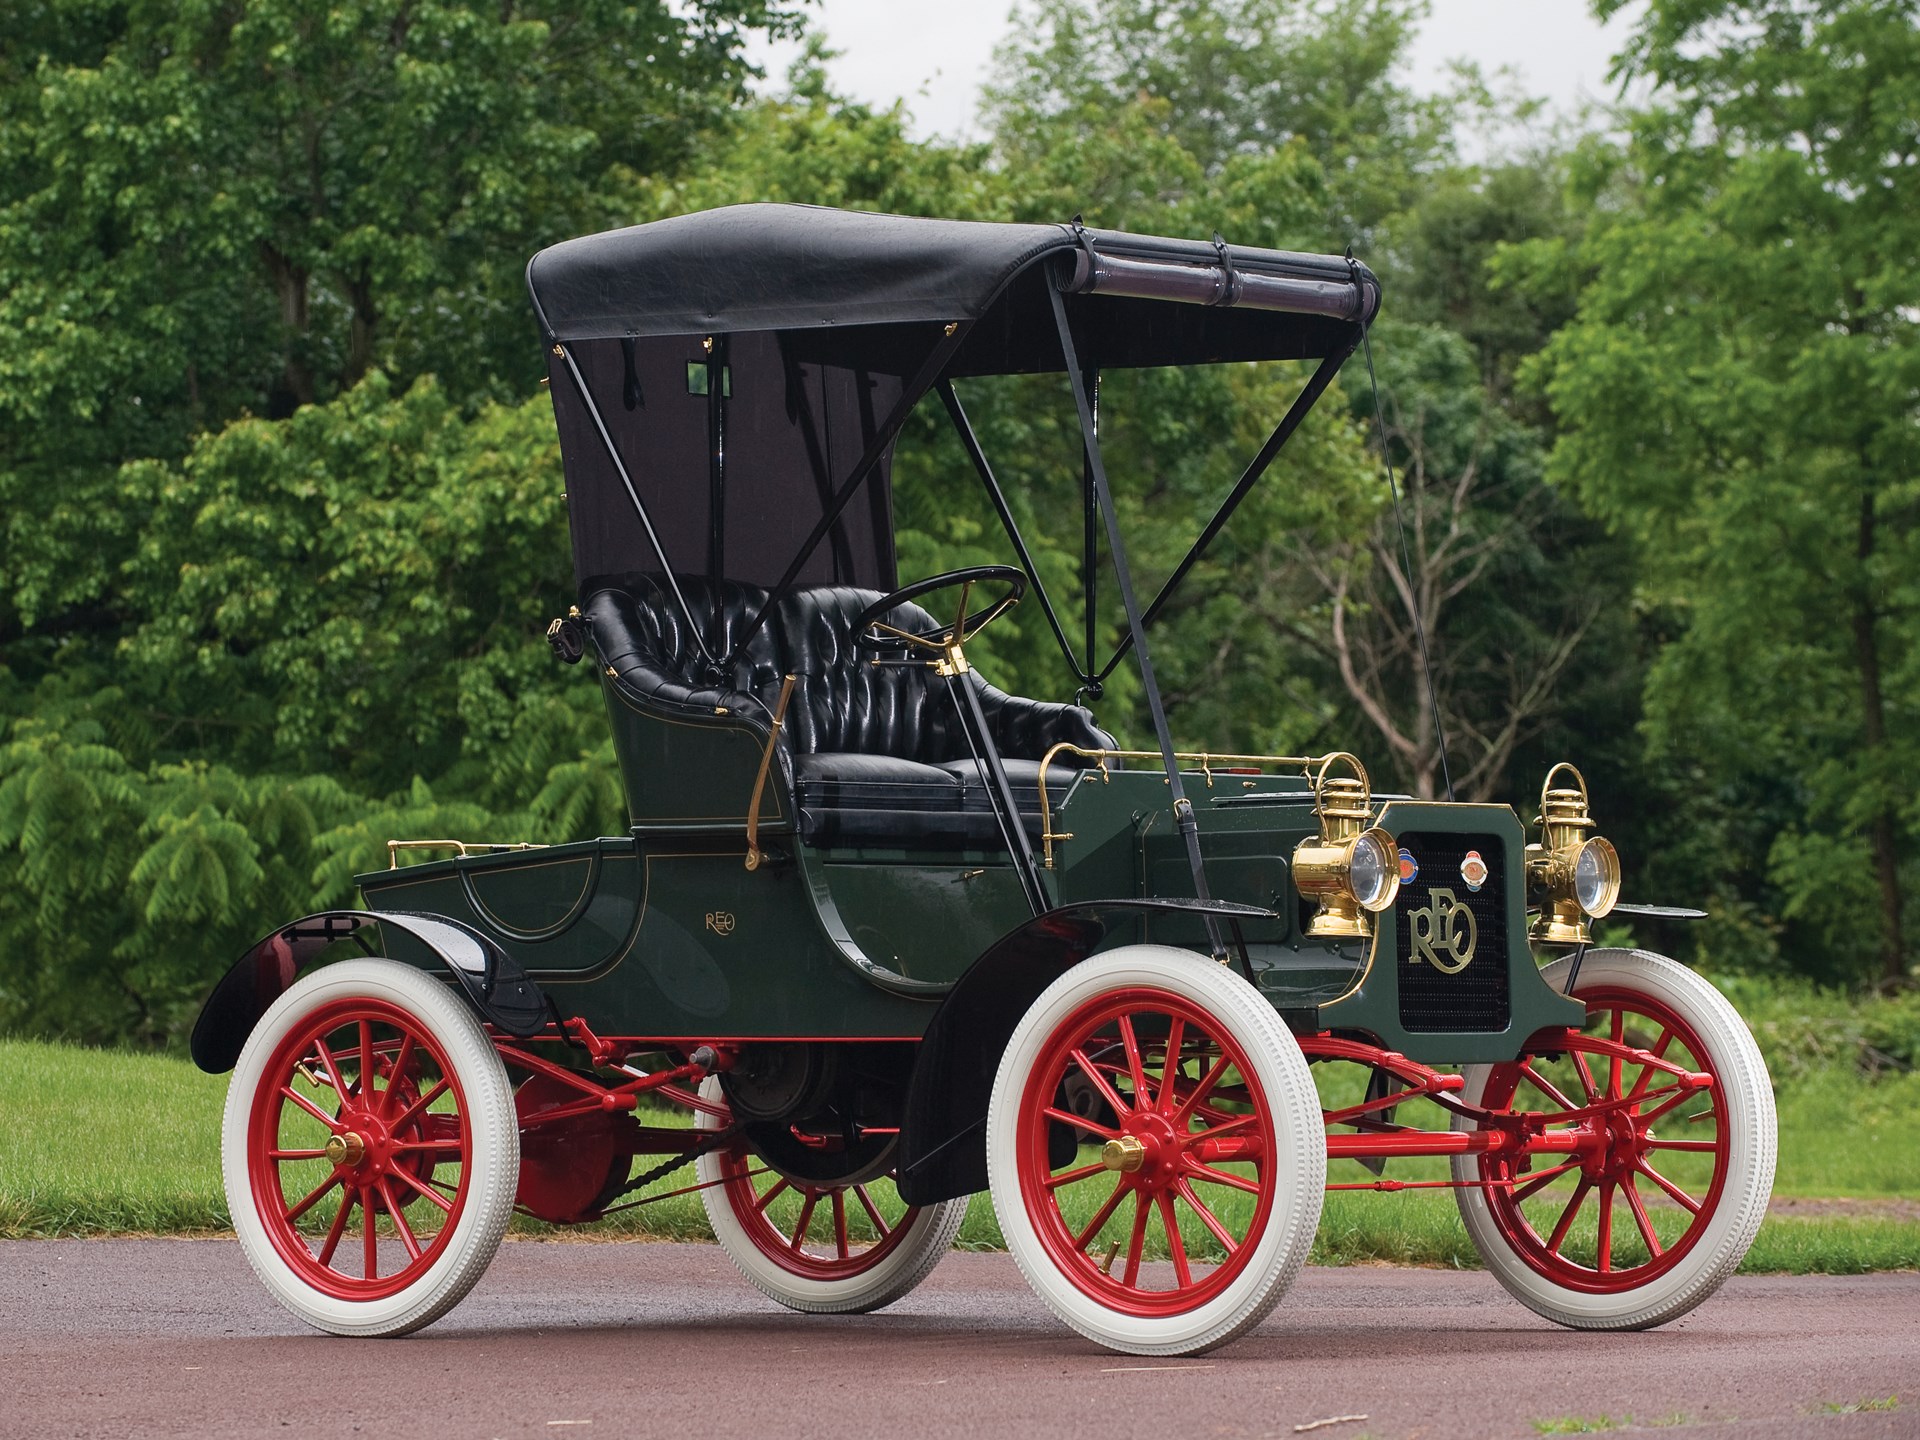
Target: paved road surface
[638, 1341]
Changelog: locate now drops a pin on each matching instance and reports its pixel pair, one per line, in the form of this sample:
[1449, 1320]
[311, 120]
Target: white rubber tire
[488, 1111]
[1300, 1168]
[929, 1237]
[1736, 1060]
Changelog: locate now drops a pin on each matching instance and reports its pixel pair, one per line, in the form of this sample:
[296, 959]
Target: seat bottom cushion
[1022, 775]
[848, 799]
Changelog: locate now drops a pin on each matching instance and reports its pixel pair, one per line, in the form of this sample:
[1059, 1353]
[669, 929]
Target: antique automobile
[880, 936]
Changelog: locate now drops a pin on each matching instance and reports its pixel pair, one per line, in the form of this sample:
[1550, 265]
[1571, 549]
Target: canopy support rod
[971, 444]
[1089, 538]
[717, 456]
[930, 370]
[1308, 397]
[1103, 496]
[646, 520]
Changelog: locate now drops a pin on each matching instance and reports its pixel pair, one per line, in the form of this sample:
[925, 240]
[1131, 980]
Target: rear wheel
[369, 1149]
[1661, 1196]
[815, 1246]
[1171, 1217]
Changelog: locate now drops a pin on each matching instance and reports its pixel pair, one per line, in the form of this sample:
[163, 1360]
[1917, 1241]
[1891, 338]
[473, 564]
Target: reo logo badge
[1473, 870]
[1444, 933]
[721, 922]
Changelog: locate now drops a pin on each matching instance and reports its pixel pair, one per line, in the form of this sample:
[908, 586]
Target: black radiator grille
[1474, 998]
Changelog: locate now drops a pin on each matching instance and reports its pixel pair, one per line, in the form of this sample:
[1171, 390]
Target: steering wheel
[870, 632]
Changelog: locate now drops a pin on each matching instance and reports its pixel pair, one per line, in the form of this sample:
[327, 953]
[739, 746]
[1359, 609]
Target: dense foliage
[282, 509]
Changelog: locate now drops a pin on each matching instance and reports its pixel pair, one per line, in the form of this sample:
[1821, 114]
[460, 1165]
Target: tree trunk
[290, 282]
[1873, 718]
[360, 333]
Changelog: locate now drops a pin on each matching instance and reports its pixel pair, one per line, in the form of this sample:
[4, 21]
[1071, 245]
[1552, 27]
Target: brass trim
[462, 848]
[754, 855]
[1566, 821]
[1206, 759]
[1125, 1154]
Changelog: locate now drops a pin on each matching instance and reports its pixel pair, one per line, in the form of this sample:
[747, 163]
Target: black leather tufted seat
[875, 754]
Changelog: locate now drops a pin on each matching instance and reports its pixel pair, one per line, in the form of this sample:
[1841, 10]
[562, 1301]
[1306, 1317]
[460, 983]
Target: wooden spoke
[419, 1105]
[1565, 1224]
[1079, 1122]
[1104, 1214]
[1068, 1177]
[308, 1106]
[1674, 1192]
[313, 1197]
[400, 1222]
[1182, 1273]
[1201, 1171]
[337, 1229]
[1170, 1066]
[1536, 1183]
[1136, 1068]
[1107, 1092]
[806, 1218]
[873, 1211]
[1640, 1219]
[399, 1071]
[773, 1192]
[1546, 1087]
[428, 1191]
[369, 1238]
[1605, 1247]
[1137, 1242]
[1207, 1217]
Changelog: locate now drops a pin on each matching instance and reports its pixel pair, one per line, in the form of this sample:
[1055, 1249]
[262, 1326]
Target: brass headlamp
[1579, 872]
[1351, 868]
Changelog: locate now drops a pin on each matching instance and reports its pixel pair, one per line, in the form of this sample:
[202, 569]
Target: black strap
[1103, 495]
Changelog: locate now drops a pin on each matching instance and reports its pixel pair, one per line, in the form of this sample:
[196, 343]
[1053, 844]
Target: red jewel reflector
[1473, 870]
[1409, 867]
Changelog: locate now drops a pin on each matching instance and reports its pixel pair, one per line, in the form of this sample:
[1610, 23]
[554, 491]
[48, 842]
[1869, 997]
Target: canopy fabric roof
[767, 267]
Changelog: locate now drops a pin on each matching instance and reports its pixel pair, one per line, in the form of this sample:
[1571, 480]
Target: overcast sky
[934, 54]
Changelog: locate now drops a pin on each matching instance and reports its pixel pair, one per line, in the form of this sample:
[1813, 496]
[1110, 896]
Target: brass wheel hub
[346, 1149]
[1125, 1154]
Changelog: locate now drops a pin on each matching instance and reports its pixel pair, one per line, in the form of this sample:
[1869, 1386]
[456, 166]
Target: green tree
[1172, 90]
[1737, 396]
[209, 210]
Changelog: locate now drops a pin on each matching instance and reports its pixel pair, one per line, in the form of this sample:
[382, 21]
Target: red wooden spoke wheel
[1155, 1151]
[1656, 1187]
[369, 1148]
[1185, 1162]
[1616, 1178]
[819, 1246]
[357, 1121]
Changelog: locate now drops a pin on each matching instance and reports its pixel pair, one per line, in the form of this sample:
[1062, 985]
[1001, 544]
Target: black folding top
[728, 386]
[801, 267]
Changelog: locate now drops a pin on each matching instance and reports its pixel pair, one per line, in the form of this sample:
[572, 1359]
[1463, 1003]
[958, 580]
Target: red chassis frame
[1373, 1135]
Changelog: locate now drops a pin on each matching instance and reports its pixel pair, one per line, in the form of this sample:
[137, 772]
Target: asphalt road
[636, 1341]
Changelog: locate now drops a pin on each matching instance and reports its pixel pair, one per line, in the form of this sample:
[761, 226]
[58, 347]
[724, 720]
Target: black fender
[490, 979]
[943, 1142]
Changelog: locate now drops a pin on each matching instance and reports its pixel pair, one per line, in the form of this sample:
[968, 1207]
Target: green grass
[1580, 1424]
[104, 1143]
[1861, 1407]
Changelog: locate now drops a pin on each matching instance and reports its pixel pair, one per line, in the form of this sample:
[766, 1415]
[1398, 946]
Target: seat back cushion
[842, 703]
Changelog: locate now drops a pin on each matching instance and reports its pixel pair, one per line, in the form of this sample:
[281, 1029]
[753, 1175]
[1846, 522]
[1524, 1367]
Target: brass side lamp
[1579, 872]
[1351, 868]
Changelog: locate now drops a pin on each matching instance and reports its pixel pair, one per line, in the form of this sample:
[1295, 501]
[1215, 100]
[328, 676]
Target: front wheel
[1155, 1151]
[1661, 1188]
[369, 1149]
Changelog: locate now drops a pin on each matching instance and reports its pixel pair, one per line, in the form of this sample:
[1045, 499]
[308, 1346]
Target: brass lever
[754, 855]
